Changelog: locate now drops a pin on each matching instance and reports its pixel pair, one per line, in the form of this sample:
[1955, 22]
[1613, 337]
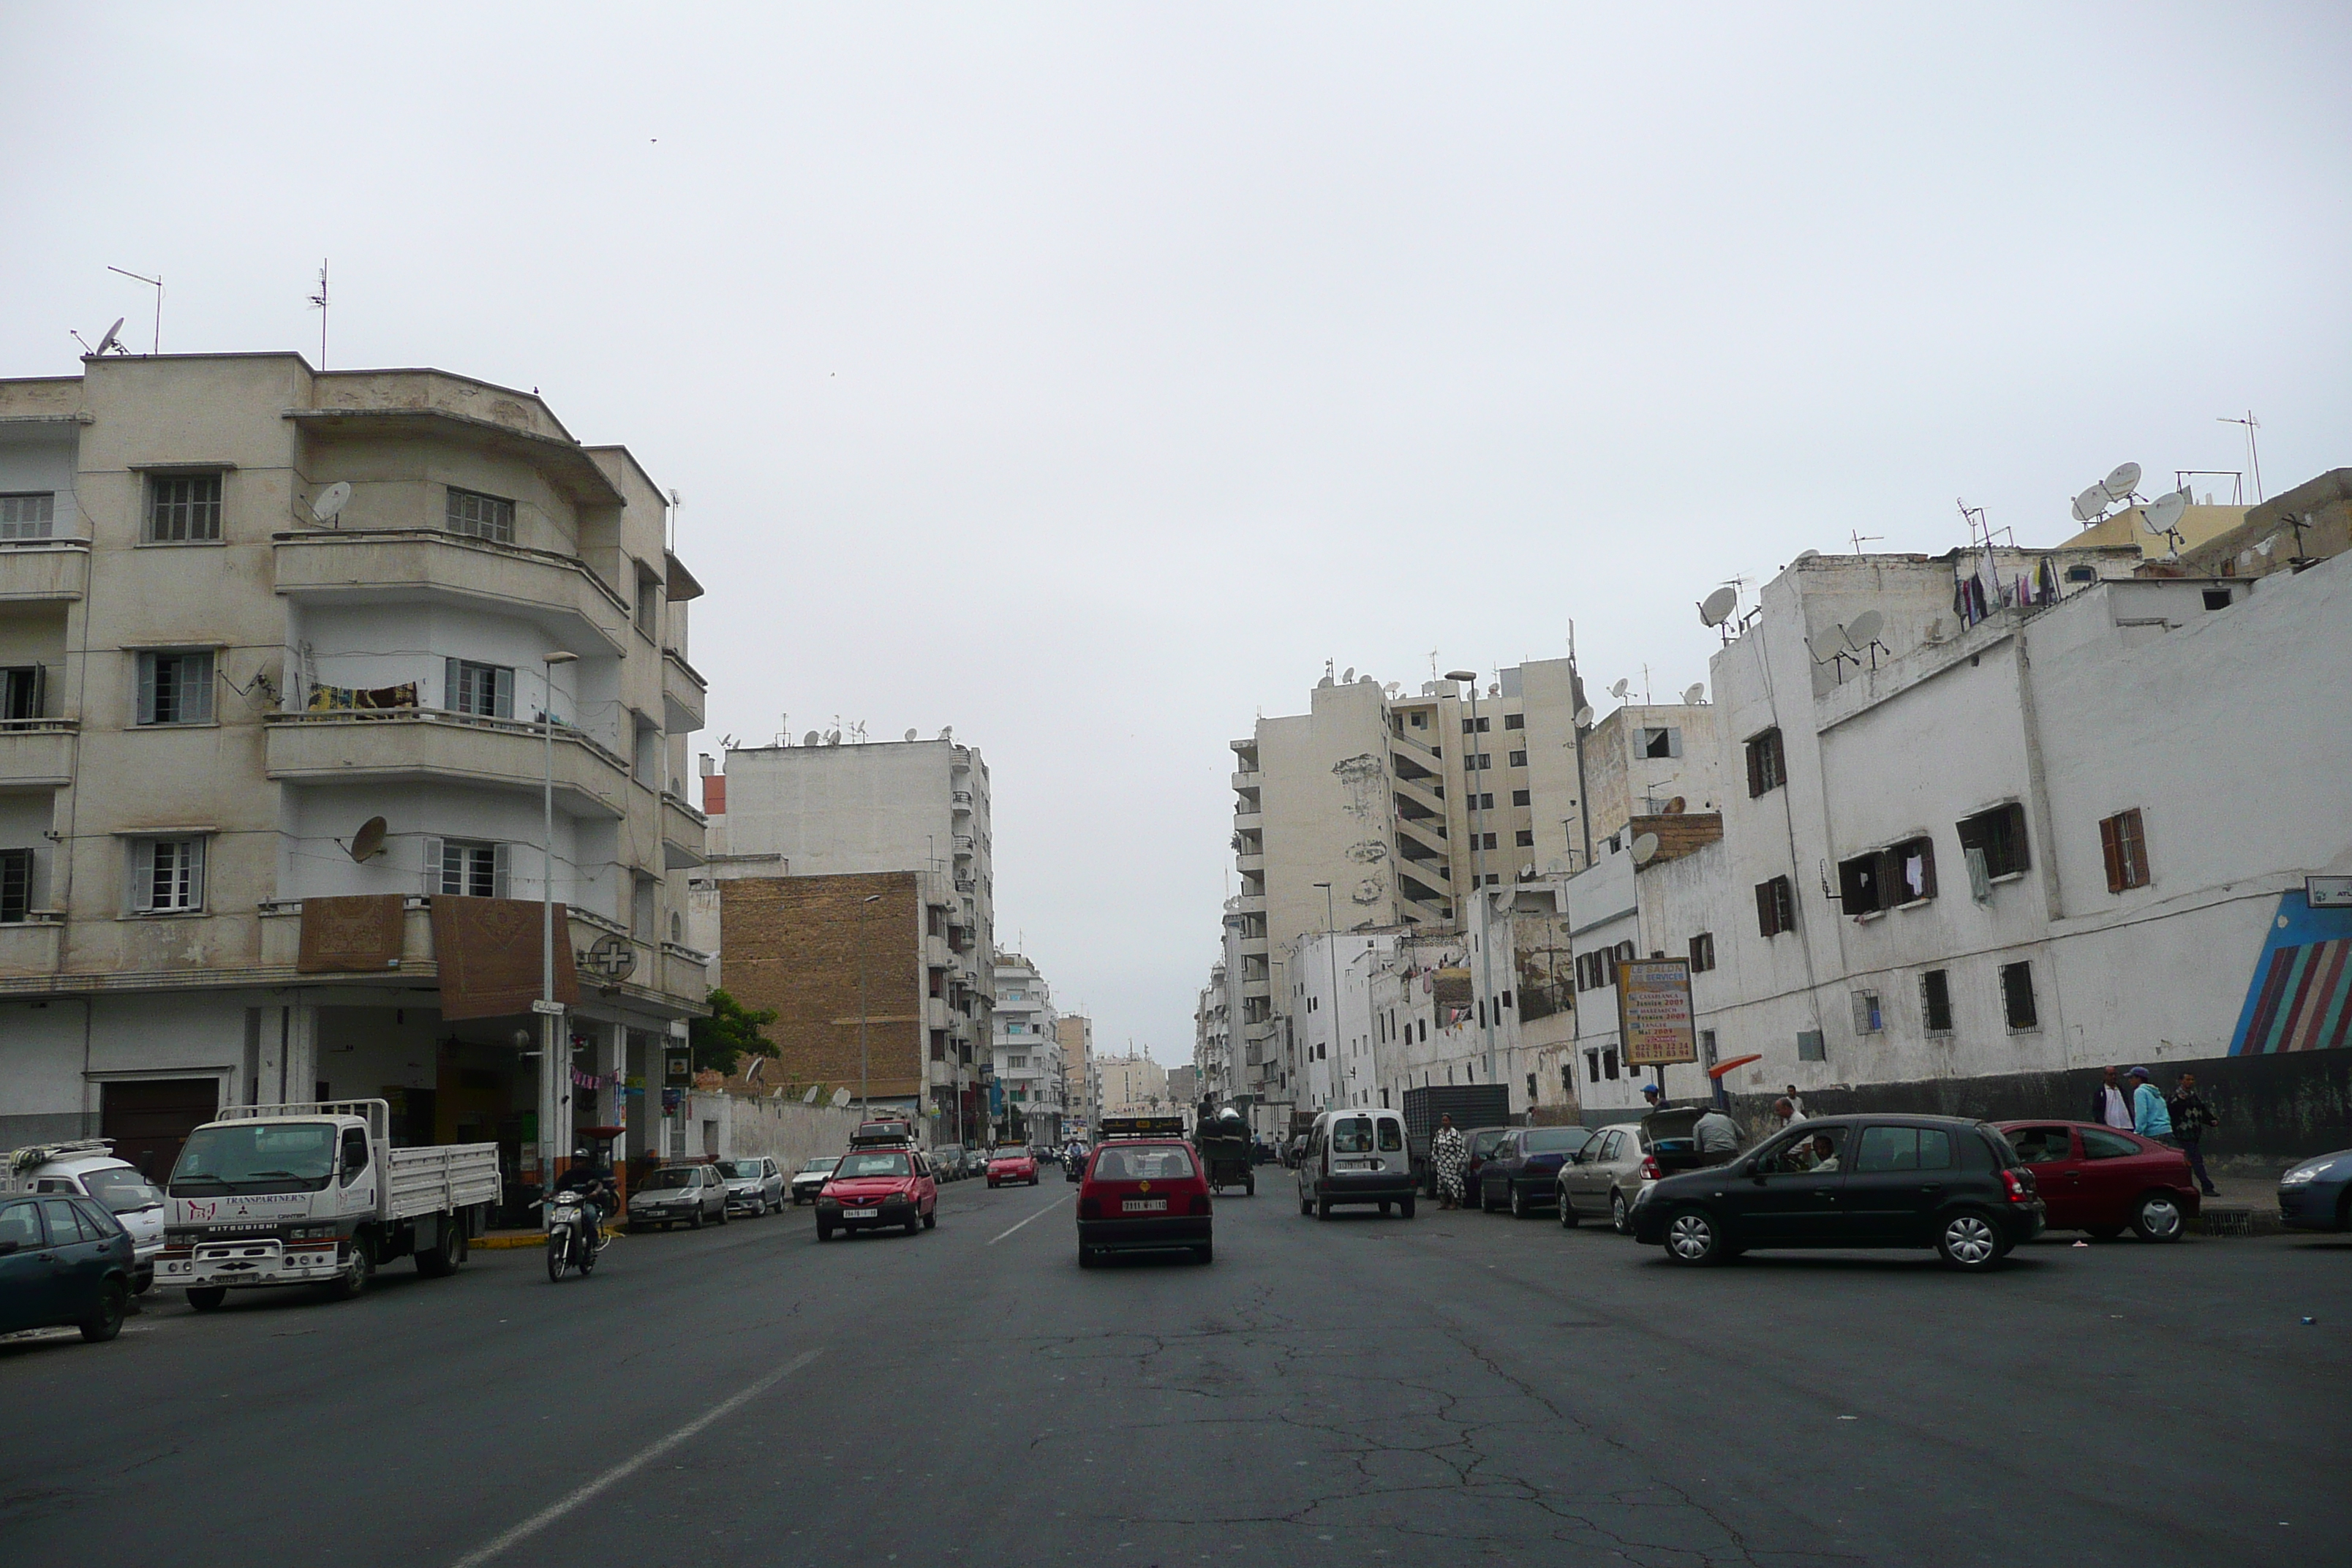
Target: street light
[864, 1106]
[554, 1061]
[1478, 875]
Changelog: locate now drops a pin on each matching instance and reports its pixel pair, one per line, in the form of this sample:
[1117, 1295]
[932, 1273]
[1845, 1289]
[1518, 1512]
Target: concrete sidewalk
[2248, 1204]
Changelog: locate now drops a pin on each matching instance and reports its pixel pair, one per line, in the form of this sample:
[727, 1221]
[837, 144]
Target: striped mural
[2301, 995]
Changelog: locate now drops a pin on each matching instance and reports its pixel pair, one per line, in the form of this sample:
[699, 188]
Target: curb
[505, 1243]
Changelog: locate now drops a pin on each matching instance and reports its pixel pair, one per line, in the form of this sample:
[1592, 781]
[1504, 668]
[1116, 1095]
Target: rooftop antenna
[676, 501]
[155, 283]
[2254, 455]
[1861, 538]
[319, 304]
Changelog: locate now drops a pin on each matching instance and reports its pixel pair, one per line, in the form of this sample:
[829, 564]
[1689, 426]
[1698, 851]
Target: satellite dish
[1618, 690]
[1584, 718]
[811, 739]
[1717, 606]
[1805, 555]
[909, 735]
[1675, 807]
[1645, 848]
[1864, 629]
[2266, 546]
[331, 501]
[809, 1097]
[2164, 513]
[108, 342]
[833, 737]
[2122, 481]
[2092, 504]
[1693, 695]
[1349, 678]
[368, 842]
[841, 1098]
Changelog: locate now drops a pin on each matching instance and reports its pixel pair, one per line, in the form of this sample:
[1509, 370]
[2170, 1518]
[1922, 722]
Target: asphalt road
[1456, 1387]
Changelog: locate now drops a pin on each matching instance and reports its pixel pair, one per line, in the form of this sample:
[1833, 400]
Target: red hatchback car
[1144, 1195]
[2103, 1180]
[874, 1187]
[1014, 1165]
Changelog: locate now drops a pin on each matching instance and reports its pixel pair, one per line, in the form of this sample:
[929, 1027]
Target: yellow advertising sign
[1654, 1024]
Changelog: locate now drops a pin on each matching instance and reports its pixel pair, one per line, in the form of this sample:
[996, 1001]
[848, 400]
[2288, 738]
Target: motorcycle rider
[593, 1180]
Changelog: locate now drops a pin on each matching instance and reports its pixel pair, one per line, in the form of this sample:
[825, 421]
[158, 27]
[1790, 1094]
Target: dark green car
[63, 1261]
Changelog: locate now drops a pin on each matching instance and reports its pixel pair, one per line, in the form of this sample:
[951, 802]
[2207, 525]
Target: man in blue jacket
[2151, 1117]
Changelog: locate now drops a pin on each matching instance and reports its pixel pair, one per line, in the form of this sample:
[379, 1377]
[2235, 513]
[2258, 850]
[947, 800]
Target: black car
[63, 1259]
[1523, 1172]
[1853, 1181]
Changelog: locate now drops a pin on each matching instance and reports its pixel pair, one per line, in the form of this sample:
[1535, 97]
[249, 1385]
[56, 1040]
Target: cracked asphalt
[1457, 1388]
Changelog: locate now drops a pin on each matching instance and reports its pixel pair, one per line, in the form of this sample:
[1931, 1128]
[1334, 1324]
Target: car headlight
[2304, 1175]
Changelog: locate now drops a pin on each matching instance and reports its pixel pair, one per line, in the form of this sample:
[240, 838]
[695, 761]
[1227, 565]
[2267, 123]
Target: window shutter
[196, 688]
[40, 692]
[143, 874]
[2112, 850]
[449, 693]
[194, 850]
[1674, 743]
[146, 688]
[500, 883]
[502, 699]
[432, 869]
[1764, 908]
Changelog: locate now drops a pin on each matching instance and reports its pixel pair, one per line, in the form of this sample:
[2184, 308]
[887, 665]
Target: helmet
[583, 1152]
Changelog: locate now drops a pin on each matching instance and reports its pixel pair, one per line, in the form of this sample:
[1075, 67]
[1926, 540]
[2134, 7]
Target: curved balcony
[35, 569]
[405, 565]
[36, 753]
[428, 746]
[681, 831]
[683, 694]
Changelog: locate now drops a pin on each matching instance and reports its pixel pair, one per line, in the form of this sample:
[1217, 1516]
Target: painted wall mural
[2300, 998]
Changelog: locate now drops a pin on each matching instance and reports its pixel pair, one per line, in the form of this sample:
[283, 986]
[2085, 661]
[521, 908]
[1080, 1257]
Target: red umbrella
[1719, 1069]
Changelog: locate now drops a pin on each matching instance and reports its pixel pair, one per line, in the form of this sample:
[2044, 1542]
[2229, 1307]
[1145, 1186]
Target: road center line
[1040, 1214]
[627, 1468]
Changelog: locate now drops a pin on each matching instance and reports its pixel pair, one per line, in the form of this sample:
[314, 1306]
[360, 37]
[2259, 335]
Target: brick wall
[792, 944]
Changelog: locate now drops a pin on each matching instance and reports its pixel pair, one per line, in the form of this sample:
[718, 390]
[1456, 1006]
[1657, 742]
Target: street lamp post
[1479, 875]
[554, 1055]
[864, 1106]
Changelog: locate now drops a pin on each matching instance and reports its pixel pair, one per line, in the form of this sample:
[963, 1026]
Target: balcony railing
[382, 564]
[431, 744]
[44, 569]
[36, 753]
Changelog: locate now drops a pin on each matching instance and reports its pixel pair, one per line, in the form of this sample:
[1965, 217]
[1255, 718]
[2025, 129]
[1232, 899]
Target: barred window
[167, 875]
[27, 516]
[486, 690]
[471, 869]
[175, 687]
[16, 886]
[184, 508]
[484, 517]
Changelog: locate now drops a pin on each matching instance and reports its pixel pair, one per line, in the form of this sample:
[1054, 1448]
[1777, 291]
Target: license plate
[1144, 1205]
[861, 1213]
[1352, 1164]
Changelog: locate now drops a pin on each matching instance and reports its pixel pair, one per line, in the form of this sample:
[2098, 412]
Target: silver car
[754, 1185]
[1604, 1178]
[679, 1195]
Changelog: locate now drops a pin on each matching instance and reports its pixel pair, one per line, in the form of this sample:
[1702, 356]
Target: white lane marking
[627, 1468]
[1040, 1214]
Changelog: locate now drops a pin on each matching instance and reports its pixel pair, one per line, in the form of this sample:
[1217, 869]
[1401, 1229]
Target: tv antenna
[2253, 453]
[155, 283]
[319, 304]
[1861, 538]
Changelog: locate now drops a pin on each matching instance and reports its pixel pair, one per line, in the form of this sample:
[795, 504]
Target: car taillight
[2015, 1184]
[1650, 1171]
[1089, 1209]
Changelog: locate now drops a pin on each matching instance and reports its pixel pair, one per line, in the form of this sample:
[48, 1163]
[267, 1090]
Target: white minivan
[1356, 1156]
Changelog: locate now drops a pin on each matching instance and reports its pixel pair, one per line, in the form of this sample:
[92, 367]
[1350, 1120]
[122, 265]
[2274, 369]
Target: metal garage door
[150, 1119]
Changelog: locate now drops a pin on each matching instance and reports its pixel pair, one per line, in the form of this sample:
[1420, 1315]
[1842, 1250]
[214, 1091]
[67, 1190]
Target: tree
[729, 1035]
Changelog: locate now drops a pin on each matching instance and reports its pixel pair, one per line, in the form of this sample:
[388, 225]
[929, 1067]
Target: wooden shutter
[2110, 848]
[1765, 909]
[1755, 775]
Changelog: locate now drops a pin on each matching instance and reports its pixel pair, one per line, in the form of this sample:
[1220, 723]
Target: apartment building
[291, 656]
[2070, 815]
[1212, 1043]
[1132, 1085]
[1027, 1102]
[1081, 1093]
[916, 809]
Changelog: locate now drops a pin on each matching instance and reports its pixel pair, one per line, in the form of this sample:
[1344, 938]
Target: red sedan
[1012, 1165]
[2101, 1180]
[874, 1188]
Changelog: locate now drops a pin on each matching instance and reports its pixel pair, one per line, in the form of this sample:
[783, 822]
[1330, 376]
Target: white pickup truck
[316, 1194]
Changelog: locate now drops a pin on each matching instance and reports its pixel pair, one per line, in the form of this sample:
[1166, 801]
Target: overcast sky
[1085, 377]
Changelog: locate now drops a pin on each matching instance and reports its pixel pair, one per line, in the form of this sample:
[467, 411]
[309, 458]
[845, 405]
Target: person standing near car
[2110, 1107]
[1448, 1155]
[1715, 1133]
[2151, 1117]
[2190, 1117]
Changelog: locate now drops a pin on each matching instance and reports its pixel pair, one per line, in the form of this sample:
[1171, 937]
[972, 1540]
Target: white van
[1356, 1156]
[90, 1167]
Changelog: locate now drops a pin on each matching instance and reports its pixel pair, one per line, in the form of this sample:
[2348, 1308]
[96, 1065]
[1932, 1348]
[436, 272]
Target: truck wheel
[208, 1297]
[355, 1280]
[440, 1260]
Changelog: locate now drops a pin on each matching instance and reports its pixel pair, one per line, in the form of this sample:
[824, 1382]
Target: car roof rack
[32, 1154]
[1143, 1127]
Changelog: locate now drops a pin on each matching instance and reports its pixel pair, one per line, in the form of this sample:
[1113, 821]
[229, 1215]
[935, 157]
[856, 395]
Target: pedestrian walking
[2110, 1104]
[2151, 1119]
[1448, 1153]
[2190, 1117]
[1796, 1100]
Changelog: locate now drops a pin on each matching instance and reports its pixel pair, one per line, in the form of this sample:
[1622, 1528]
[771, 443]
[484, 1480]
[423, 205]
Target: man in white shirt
[2110, 1104]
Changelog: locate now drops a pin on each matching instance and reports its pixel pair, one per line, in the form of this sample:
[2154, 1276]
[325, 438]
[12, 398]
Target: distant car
[91, 1169]
[2317, 1194]
[2103, 1180]
[1606, 1178]
[1144, 1195]
[872, 1188]
[63, 1259]
[1011, 1165]
[1523, 1172]
[811, 1177]
[754, 1185]
[951, 1162]
[1853, 1181]
[679, 1195]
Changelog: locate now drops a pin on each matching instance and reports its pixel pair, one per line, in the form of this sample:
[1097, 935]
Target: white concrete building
[1131, 1085]
[1028, 1054]
[273, 637]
